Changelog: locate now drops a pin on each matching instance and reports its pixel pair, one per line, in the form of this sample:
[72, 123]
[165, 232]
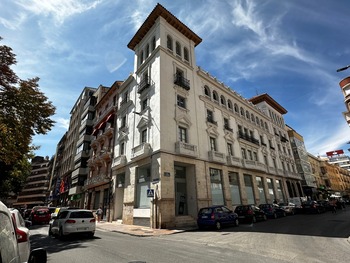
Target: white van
[9, 251]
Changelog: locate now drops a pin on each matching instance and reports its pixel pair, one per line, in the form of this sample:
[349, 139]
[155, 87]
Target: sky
[288, 49]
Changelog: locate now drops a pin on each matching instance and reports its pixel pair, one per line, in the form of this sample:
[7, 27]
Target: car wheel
[218, 225]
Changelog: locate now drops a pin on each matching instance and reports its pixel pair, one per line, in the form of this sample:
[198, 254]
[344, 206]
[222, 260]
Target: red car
[40, 216]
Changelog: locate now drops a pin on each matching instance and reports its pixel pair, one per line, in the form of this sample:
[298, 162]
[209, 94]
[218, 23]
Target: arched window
[242, 111]
[222, 100]
[266, 127]
[229, 104]
[169, 43]
[257, 121]
[215, 96]
[252, 117]
[207, 91]
[147, 51]
[261, 123]
[247, 115]
[178, 49]
[186, 55]
[141, 57]
[153, 43]
[236, 108]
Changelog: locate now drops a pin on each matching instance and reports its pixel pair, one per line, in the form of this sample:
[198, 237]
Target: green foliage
[24, 112]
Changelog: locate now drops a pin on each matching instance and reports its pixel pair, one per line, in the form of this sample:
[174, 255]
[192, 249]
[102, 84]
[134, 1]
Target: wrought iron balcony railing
[181, 81]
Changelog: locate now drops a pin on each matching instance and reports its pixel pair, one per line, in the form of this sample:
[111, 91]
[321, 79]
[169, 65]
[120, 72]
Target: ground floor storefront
[164, 190]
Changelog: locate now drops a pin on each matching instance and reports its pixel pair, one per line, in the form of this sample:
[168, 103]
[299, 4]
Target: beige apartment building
[184, 140]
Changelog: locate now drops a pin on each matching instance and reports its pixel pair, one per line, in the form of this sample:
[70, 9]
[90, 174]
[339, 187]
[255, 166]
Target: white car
[9, 251]
[22, 233]
[288, 207]
[76, 221]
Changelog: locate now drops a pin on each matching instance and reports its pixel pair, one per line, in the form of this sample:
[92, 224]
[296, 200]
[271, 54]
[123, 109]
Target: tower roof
[274, 104]
[158, 11]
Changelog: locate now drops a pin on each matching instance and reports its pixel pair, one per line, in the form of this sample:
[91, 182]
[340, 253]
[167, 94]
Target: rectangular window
[250, 156]
[212, 144]
[255, 156]
[143, 184]
[217, 193]
[229, 149]
[244, 154]
[181, 101]
[182, 134]
[144, 104]
[210, 116]
[271, 190]
[144, 136]
[249, 189]
[234, 188]
[121, 148]
[279, 191]
[261, 190]
[123, 122]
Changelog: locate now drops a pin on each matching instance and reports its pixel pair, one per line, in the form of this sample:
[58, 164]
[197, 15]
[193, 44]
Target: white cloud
[62, 123]
[59, 10]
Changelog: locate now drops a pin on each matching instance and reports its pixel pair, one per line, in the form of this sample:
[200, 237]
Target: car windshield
[81, 214]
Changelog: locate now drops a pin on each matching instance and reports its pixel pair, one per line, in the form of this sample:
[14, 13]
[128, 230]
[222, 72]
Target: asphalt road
[299, 238]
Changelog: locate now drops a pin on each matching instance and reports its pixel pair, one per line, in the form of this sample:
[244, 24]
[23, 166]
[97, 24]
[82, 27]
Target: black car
[216, 216]
[313, 207]
[273, 210]
[250, 213]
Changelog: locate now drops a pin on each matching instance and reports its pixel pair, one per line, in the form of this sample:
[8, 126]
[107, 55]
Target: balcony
[226, 127]
[216, 157]
[181, 81]
[109, 129]
[95, 181]
[234, 161]
[248, 138]
[211, 120]
[144, 84]
[141, 150]
[120, 160]
[284, 139]
[187, 149]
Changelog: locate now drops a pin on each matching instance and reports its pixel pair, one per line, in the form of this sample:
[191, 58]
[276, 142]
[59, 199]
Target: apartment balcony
[254, 165]
[187, 149]
[226, 127]
[248, 138]
[95, 181]
[181, 81]
[82, 154]
[272, 170]
[144, 84]
[119, 161]
[284, 139]
[211, 120]
[216, 157]
[292, 175]
[79, 171]
[141, 151]
[234, 161]
[106, 154]
[109, 130]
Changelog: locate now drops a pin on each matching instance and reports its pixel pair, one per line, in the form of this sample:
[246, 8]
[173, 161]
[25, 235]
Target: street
[299, 238]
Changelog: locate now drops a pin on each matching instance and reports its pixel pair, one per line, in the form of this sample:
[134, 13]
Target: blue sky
[288, 49]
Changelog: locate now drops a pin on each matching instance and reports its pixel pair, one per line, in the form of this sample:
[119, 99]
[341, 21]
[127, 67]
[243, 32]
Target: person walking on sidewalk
[99, 214]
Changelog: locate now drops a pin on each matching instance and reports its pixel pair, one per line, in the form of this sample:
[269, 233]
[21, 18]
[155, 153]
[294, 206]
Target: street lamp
[344, 68]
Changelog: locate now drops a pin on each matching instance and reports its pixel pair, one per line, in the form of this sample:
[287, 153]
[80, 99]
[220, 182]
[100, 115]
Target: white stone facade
[189, 137]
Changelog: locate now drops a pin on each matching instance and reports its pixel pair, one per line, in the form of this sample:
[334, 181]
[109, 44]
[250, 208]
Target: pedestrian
[99, 214]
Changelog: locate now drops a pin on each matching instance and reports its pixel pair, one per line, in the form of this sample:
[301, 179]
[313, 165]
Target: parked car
[9, 251]
[312, 206]
[216, 216]
[273, 210]
[40, 216]
[250, 213]
[290, 208]
[22, 233]
[73, 221]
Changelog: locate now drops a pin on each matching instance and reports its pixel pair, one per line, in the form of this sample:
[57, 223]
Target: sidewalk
[134, 230]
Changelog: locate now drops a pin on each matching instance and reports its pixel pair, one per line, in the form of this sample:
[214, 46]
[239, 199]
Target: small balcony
[211, 120]
[141, 150]
[119, 161]
[248, 138]
[226, 127]
[187, 149]
[144, 84]
[181, 81]
[216, 157]
[234, 161]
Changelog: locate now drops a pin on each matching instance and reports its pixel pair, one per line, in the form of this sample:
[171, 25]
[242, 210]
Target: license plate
[204, 216]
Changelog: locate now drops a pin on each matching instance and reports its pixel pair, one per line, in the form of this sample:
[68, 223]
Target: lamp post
[343, 68]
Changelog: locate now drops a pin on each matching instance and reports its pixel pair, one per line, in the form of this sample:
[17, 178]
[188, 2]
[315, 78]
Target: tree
[24, 112]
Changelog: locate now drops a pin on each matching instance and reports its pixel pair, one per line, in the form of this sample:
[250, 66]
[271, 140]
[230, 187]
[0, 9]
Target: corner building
[188, 137]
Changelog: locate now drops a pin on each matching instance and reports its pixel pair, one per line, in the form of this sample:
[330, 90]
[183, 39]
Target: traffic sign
[150, 192]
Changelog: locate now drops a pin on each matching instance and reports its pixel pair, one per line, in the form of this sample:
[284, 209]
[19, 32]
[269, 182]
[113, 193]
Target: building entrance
[180, 191]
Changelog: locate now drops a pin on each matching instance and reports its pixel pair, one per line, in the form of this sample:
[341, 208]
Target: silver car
[77, 221]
